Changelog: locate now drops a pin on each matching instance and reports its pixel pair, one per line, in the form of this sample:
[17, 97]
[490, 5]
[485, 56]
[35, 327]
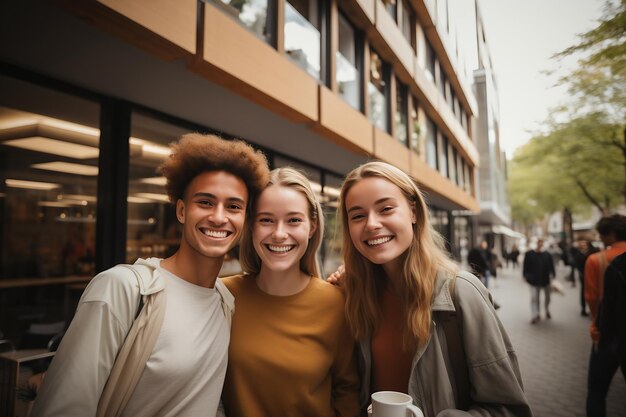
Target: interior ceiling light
[78, 197]
[154, 197]
[154, 181]
[68, 168]
[31, 185]
[147, 147]
[138, 200]
[53, 204]
[55, 147]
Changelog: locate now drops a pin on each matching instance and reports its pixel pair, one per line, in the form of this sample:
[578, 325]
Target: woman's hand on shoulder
[337, 277]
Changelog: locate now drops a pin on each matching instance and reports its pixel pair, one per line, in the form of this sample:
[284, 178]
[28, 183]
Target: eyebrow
[380, 200]
[291, 213]
[213, 196]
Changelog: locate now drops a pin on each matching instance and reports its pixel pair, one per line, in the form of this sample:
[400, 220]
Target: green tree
[580, 160]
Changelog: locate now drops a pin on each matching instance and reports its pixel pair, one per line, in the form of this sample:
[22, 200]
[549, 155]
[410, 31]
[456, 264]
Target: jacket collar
[443, 299]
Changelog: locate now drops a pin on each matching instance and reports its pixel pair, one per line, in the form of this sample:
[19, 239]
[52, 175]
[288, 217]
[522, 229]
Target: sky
[522, 36]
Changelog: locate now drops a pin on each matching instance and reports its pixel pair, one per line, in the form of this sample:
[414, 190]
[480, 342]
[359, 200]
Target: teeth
[275, 248]
[379, 240]
[215, 233]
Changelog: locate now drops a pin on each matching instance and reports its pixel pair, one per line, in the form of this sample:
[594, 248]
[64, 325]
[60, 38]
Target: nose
[218, 215]
[372, 222]
[279, 232]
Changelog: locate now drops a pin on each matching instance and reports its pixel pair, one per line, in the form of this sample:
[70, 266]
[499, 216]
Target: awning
[503, 230]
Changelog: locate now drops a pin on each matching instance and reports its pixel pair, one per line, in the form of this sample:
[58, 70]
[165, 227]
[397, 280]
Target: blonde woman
[291, 352]
[398, 280]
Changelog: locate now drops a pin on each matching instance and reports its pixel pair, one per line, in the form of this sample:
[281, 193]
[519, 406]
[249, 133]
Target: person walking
[479, 260]
[291, 351]
[612, 231]
[580, 252]
[152, 338]
[401, 288]
[538, 271]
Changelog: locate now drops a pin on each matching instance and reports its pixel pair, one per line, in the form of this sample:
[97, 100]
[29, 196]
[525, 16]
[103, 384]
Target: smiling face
[212, 213]
[380, 221]
[282, 228]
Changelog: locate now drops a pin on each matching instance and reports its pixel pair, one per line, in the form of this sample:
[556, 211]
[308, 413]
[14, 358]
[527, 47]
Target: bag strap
[453, 331]
[134, 352]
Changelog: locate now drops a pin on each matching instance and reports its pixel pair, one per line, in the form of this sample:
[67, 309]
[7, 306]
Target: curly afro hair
[196, 153]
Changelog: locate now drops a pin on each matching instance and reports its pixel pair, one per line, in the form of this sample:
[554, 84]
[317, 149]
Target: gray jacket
[496, 383]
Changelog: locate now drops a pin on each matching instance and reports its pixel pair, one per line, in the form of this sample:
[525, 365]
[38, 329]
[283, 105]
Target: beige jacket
[105, 349]
[496, 383]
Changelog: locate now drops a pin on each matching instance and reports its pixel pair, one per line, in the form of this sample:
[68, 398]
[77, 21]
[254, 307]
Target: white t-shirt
[185, 372]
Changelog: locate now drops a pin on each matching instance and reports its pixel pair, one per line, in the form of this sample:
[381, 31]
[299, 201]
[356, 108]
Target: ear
[313, 229]
[180, 211]
[413, 215]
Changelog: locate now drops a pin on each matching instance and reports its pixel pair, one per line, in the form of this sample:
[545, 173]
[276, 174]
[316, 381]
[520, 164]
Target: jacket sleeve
[495, 378]
[74, 382]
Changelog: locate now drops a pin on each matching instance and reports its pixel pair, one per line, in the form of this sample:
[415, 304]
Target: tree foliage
[579, 160]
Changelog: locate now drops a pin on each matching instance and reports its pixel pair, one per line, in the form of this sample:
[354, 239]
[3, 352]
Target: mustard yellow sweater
[291, 355]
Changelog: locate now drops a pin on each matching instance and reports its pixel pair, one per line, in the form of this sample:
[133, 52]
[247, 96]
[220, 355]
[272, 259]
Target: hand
[337, 277]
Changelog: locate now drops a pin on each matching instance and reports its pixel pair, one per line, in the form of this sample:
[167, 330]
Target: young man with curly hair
[152, 338]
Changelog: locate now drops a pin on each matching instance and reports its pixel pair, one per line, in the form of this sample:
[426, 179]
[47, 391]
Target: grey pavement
[553, 354]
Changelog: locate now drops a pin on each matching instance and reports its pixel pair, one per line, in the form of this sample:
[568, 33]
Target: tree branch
[590, 197]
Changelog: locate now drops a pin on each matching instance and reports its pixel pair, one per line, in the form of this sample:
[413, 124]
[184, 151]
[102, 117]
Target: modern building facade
[92, 92]
[492, 224]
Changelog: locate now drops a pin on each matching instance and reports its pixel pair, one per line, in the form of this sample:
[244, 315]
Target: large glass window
[377, 92]
[391, 7]
[49, 149]
[302, 34]
[431, 144]
[406, 20]
[347, 73]
[251, 13]
[443, 156]
[415, 127]
[452, 165]
[330, 252]
[431, 62]
[460, 168]
[441, 82]
[401, 126]
[152, 228]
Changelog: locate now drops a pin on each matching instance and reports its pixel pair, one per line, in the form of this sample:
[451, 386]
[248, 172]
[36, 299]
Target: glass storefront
[48, 178]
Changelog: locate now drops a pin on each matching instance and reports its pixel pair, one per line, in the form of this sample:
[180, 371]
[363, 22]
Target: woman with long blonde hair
[291, 351]
[400, 286]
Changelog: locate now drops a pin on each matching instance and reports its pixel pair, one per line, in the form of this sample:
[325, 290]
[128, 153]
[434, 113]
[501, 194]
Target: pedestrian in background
[479, 260]
[612, 325]
[612, 230]
[579, 253]
[538, 271]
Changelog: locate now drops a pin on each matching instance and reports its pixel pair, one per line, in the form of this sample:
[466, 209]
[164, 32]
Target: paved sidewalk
[553, 354]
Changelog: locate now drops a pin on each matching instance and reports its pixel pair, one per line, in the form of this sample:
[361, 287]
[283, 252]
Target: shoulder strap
[453, 331]
[134, 353]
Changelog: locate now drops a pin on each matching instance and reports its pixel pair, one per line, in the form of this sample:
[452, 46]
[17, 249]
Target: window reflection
[401, 131]
[152, 228]
[443, 157]
[347, 73]
[415, 128]
[431, 144]
[251, 13]
[376, 90]
[302, 35]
